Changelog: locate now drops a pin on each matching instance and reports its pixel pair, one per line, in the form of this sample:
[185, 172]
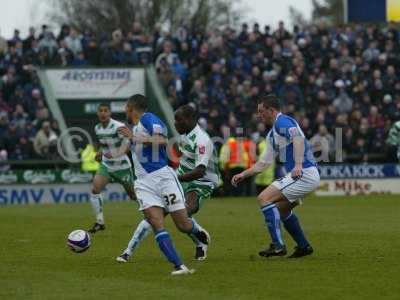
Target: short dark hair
[139, 102]
[104, 104]
[270, 101]
[188, 111]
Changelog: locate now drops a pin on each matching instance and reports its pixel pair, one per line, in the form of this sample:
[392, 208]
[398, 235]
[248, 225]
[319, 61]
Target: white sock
[141, 232]
[97, 205]
[195, 239]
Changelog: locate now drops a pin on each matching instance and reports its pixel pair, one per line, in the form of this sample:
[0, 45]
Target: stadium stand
[341, 77]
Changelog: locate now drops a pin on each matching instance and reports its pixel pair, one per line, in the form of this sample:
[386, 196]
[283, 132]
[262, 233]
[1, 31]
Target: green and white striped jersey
[110, 140]
[197, 149]
[394, 135]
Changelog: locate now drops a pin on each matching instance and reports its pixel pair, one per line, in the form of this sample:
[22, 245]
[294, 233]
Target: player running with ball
[287, 140]
[157, 188]
[115, 164]
[198, 172]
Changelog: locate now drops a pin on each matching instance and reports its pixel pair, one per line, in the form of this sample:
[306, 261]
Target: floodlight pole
[345, 11]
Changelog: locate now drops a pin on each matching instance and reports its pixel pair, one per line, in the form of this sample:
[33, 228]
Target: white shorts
[160, 188]
[296, 190]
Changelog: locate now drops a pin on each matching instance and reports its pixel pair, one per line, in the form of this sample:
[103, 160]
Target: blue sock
[167, 247]
[292, 225]
[273, 221]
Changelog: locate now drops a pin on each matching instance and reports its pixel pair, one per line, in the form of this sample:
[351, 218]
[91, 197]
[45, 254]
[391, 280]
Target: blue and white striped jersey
[149, 158]
[280, 142]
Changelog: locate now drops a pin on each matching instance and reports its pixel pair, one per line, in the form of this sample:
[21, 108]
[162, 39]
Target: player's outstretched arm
[156, 139]
[153, 139]
[258, 167]
[203, 156]
[126, 132]
[115, 153]
[263, 163]
[98, 156]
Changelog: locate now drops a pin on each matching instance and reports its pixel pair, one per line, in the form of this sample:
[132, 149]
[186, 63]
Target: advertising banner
[45, 176]
[341, 187]
[361, 179]
[115, 106]
[366, 11]
[393, 10]
[56, 193]
[95, 83]
[333, 171]
[372, 10]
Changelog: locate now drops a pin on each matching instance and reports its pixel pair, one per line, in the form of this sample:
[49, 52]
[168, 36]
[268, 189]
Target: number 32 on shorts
[170, 199]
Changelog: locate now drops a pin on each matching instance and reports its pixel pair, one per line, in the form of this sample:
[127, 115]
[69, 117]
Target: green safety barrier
[45, 176]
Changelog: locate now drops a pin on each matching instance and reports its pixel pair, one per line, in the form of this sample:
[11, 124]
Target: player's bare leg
[155, 216]
[192, 207]
[285, 208]
[130, 191]
[187, 225]
[183, 223]
[99, 183]
[192, 203]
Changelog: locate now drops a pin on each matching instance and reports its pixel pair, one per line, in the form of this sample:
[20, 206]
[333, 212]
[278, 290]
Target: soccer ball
[78, 241]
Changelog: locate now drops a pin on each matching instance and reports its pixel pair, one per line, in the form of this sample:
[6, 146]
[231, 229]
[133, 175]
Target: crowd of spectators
[341, 84]
[23, 109]
[328, 78]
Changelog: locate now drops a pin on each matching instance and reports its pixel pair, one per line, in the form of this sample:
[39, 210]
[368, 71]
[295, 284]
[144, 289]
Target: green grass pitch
[357, 243]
